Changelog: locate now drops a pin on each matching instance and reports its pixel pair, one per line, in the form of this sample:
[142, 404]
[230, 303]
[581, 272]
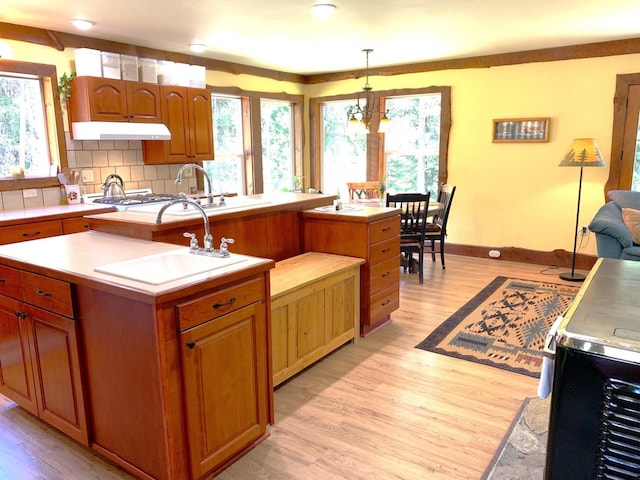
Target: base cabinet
[39, 360]
[314, 309]
[225, 410]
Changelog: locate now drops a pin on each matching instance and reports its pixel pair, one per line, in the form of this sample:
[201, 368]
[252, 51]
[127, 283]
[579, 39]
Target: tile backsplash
[103, 157]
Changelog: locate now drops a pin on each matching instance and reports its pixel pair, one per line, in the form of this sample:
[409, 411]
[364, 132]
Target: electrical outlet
[87, 176]
[584, 231]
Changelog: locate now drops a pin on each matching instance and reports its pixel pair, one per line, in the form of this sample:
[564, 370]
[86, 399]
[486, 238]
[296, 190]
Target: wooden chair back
[445, 196]
[363, 190]
[413, 216]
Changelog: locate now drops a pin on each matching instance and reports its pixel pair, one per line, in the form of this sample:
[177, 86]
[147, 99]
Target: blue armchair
[613, 239]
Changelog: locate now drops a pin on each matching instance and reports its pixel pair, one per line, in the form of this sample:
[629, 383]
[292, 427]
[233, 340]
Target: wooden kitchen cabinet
[39, 360]
[373, 234]
[30, 231]
[315, 299]
[112, 100]
[187, 114]
[226, 408]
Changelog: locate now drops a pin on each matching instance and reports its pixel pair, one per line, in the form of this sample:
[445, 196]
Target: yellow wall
[509, 194]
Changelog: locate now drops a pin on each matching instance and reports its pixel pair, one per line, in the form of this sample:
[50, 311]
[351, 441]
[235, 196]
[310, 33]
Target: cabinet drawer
[10, 282]
[383, 303]
[30, 231]
[220, 303]
[47, 293]
[74, 225]
[384, 250]
[385, 274]
[384, 229]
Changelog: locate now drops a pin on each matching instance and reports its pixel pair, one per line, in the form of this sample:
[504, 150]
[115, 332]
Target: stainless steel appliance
[133, 198]
[594, 428]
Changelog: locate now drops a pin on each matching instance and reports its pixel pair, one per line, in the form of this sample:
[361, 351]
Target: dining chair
[413, 216]
[363, 190]
[436, 231]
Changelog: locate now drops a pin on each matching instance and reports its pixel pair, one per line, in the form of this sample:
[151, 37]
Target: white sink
[178, 209]
[167, 267]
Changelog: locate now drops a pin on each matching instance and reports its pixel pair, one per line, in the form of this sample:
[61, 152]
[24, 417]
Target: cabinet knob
[191, 345]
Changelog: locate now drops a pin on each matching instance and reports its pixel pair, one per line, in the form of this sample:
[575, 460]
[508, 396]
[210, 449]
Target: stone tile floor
[523, 455]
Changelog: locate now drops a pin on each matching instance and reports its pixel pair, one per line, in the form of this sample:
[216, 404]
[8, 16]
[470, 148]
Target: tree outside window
[23, 129]
[277, 145]
[412, 144]
[344, 154]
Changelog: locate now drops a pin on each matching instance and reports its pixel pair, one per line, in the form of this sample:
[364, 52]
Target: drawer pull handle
[231, 301]
[44, 294]
[34, 234]
[386, 229]
[191, 345]
[21, 315]
[385, 303]
[3, 280]
[386, 274]
[385, 250]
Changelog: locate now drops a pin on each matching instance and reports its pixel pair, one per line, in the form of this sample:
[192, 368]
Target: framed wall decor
[521, 130]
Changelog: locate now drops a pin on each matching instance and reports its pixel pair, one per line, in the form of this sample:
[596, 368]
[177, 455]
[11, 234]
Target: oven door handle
[550, 341]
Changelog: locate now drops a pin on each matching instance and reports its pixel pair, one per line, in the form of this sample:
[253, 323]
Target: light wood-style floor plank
[375, 409]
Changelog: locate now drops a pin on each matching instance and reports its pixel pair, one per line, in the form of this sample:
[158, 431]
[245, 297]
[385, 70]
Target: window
[258, 140]
[411, 156]
[31, 132]
[344, 154]
[227, 172]
[277, 145]
[412, 145]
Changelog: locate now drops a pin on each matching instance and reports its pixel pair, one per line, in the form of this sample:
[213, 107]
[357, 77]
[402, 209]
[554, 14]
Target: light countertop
[74, 258]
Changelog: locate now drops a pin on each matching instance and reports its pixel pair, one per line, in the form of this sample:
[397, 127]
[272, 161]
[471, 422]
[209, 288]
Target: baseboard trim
[559, 258]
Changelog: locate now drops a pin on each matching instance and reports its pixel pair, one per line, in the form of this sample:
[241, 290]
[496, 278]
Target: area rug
[504, 325]
[521, 455]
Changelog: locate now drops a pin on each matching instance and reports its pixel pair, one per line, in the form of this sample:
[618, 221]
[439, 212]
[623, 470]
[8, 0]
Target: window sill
[26, 183]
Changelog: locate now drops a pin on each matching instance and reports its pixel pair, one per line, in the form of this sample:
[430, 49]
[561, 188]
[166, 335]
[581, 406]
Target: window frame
[375, 142]
[252, 131]
[53, 116]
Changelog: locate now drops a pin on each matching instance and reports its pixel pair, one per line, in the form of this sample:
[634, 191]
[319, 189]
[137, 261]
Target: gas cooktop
[137, 199]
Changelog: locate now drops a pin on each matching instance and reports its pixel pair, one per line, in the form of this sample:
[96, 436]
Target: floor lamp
[584, 152]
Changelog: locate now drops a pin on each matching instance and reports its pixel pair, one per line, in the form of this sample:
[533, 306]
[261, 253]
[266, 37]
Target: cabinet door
[57, 370]
[16, 375]
[201, 124]
[224, 364]
[143, 102]
[107, 99]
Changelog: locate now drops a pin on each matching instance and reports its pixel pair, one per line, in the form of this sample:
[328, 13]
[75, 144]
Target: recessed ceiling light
[198, 47]
[323, 10]
[81, 24]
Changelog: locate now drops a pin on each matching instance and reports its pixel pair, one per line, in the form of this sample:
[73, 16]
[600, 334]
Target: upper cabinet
[187, 114]
[111, 100]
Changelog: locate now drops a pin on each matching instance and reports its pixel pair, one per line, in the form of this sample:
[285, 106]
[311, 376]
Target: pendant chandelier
[360, 115]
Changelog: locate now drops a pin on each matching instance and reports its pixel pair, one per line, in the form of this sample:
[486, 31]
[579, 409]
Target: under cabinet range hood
[120, 131]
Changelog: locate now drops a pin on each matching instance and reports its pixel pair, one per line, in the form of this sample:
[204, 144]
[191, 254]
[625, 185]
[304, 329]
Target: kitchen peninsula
[117, 363]
[263, 225]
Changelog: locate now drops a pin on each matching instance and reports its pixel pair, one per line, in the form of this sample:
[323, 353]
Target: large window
[412, 145]
[410, 157]
[277, 145]
[31, 132]
[226, 171]
[344, 154]
[258, 140]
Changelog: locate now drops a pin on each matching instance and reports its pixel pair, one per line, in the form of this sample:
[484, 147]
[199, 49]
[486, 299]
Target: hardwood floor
[375, 409]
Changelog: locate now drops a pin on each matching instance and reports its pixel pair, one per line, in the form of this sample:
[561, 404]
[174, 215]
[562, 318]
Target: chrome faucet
[206, 176]
[208, 239]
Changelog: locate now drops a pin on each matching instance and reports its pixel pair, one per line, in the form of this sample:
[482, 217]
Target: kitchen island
[170, 377]
[265, 225]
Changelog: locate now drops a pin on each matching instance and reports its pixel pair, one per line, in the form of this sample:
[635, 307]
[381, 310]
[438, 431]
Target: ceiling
[283, 35]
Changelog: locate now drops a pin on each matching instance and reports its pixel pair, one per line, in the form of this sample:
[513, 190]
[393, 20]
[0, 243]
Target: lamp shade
[584, 152]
